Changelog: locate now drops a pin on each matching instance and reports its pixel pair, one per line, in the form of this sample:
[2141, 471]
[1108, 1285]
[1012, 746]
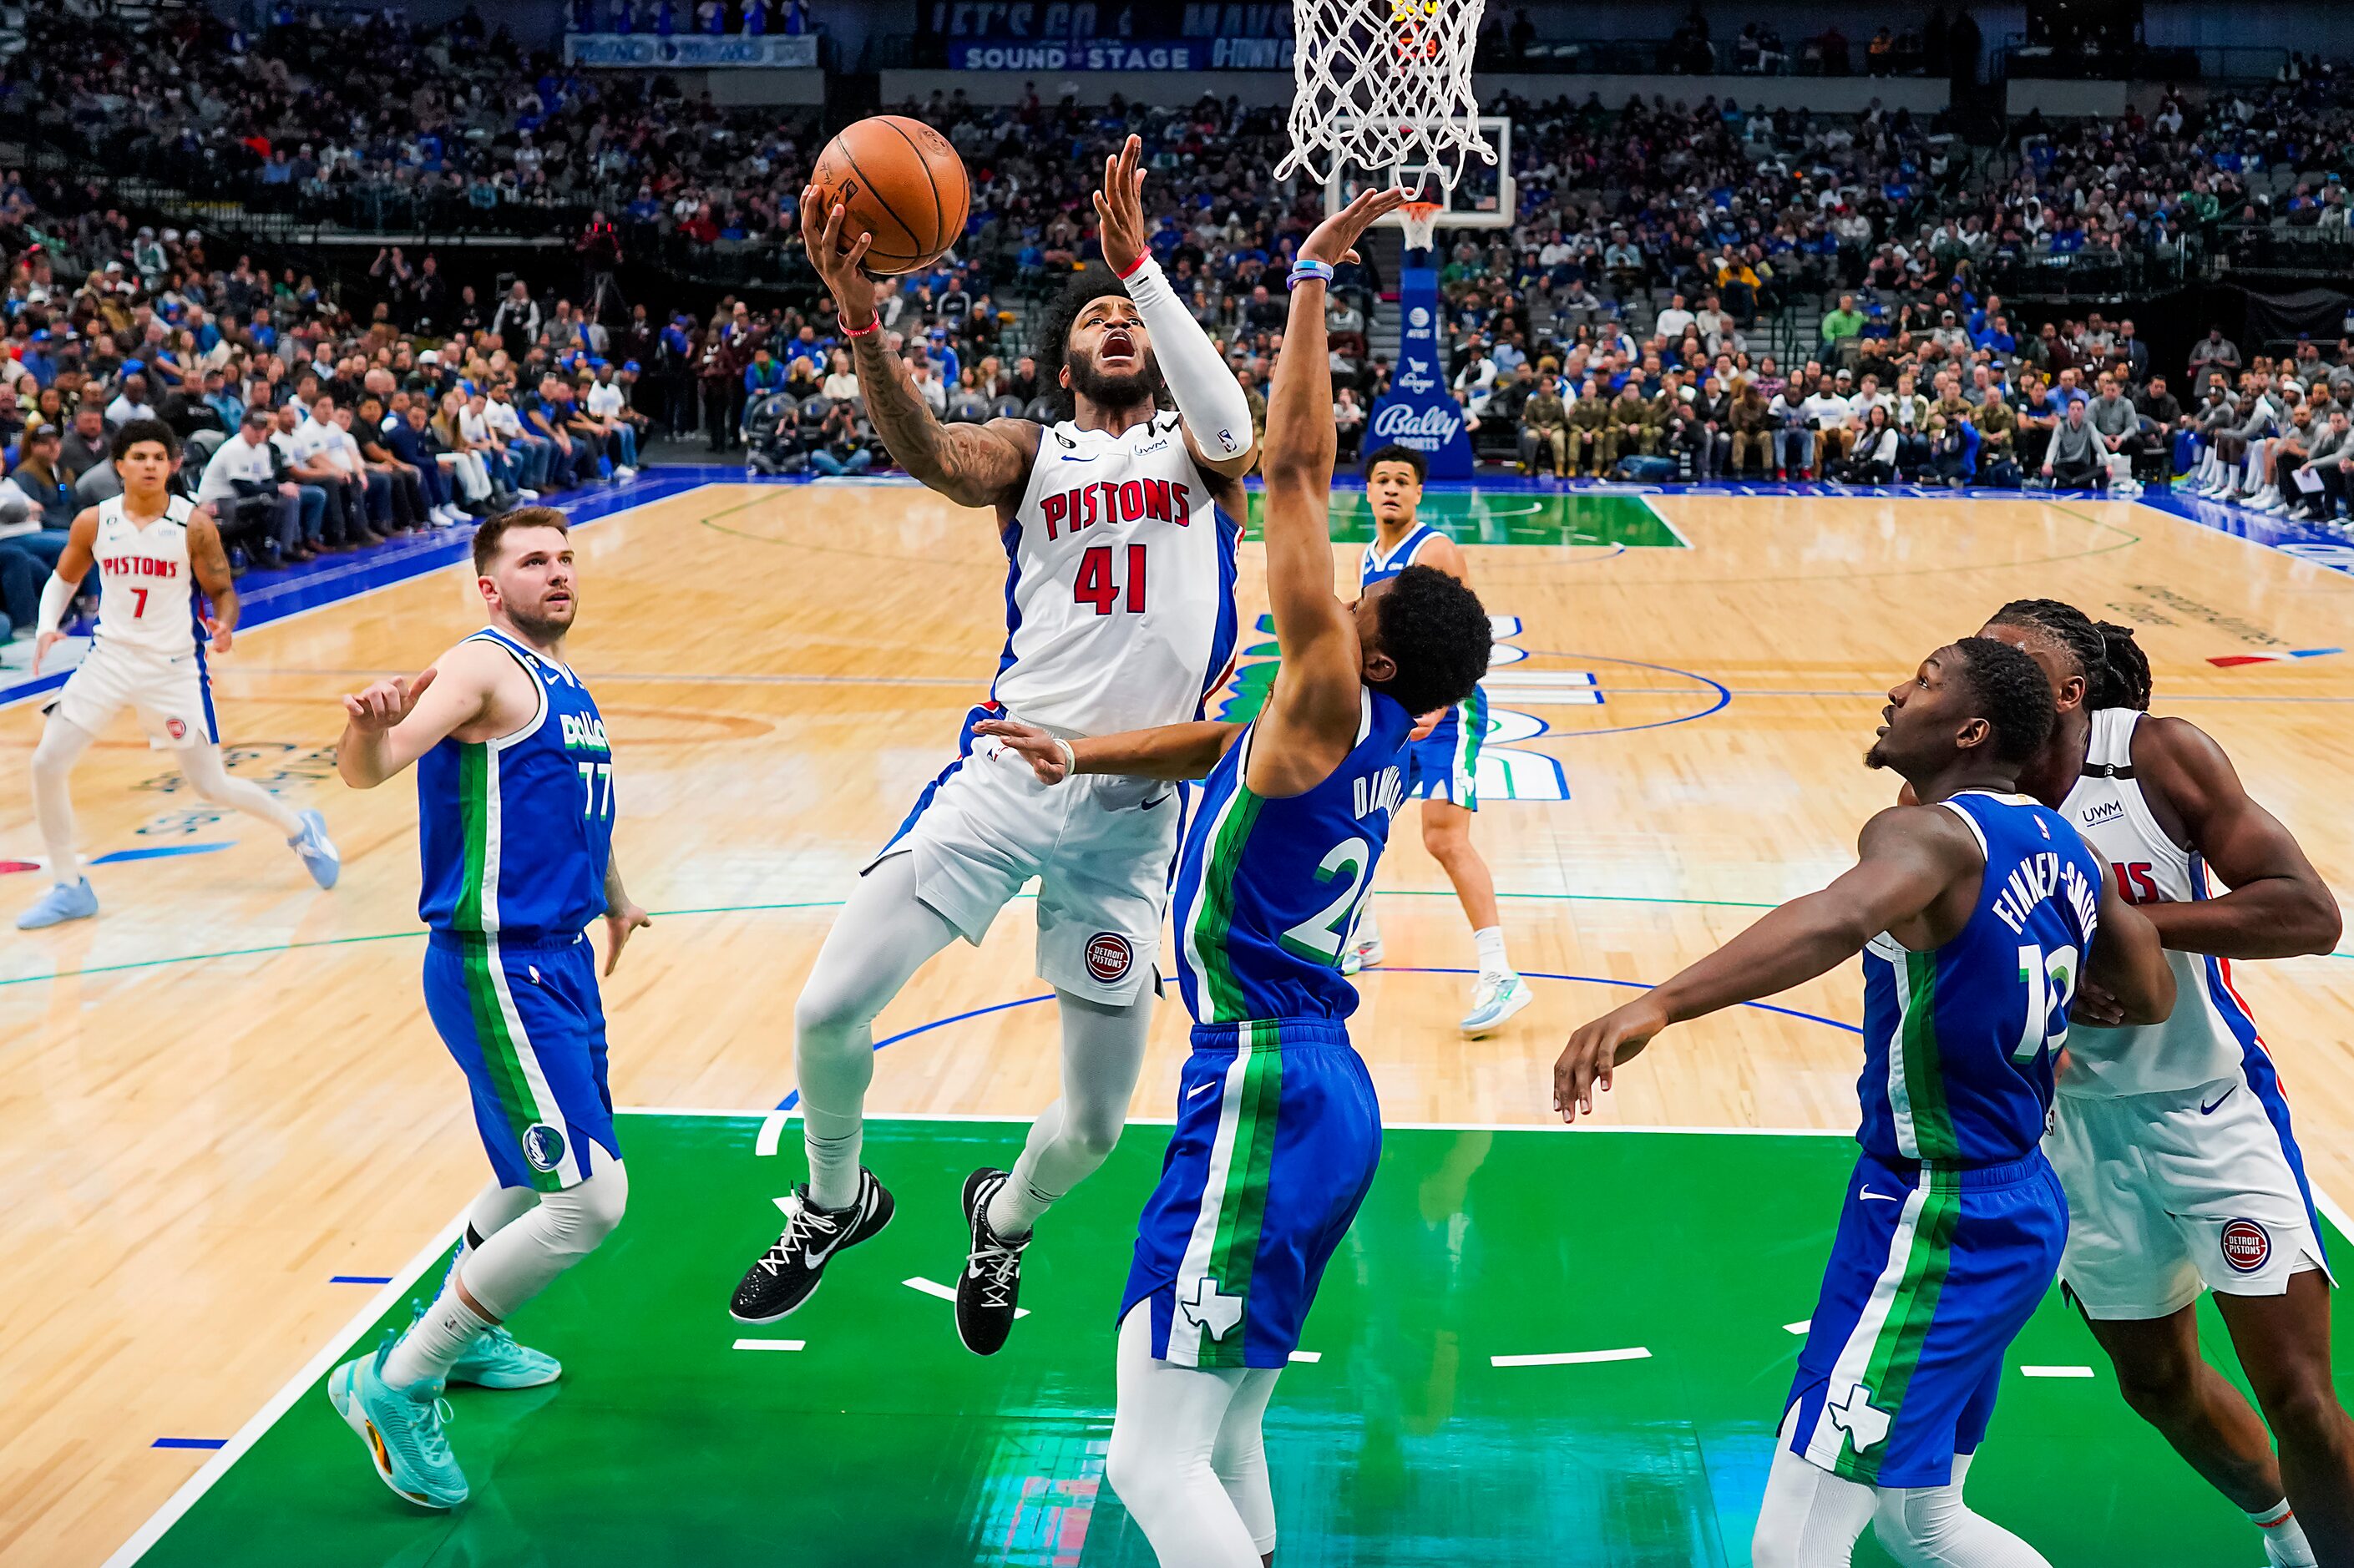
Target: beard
[544, 628]
[1140, 386]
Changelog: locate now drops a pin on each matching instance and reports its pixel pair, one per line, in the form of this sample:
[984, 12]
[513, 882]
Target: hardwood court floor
[196, 1146]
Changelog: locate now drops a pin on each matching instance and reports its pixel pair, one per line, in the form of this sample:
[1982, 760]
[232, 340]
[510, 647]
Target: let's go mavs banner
[1419, 412]
[690, 51]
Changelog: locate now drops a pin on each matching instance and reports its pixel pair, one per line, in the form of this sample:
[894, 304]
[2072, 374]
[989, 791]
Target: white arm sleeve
[56, 594]
[1208, 397]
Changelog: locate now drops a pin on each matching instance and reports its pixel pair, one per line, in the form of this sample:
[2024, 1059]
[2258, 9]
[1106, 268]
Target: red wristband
[862, 332]
[1138, 267]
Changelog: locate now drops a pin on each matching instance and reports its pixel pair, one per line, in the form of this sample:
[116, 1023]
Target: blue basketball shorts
[1932, 1276]
[525, 1022]
[1277, 1135]
[1445, 764]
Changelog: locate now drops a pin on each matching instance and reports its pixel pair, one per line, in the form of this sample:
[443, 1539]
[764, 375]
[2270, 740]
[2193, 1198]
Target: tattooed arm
[975, 465]
[209, 560]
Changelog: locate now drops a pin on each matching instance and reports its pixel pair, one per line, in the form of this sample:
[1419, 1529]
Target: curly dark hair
[1437, 632]
[134, 431]
[1091, 284]
[2008, 690]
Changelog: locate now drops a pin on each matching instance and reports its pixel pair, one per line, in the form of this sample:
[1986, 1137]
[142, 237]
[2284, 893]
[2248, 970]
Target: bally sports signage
[690, 51]
[1419, 412]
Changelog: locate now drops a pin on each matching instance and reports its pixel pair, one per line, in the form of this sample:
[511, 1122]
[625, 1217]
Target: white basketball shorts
[2176, 1193]
[173, 695]
[1101, 847]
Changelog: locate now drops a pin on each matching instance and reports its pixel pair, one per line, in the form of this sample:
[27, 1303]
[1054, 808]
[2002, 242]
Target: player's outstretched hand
[385, 703]
[1335, 239]
[618, 923]
[1046, 756]
[1586, 1062]
[822, 226]
[1425, 723]
[42, 644]
[1119, 207]
[218, 637]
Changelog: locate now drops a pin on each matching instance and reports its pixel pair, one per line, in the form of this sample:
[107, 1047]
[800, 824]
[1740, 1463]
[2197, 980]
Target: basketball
[902, 183]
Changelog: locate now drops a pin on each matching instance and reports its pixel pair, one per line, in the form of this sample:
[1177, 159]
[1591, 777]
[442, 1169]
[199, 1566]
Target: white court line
[772, 1129]
[1800, 1327]
[771, 1345]
[948, 1293]
[1550, 1126]
[318, 1366]
[2055, 1372]
[1309, 1357]
[1651, 507]
[1572, 1358]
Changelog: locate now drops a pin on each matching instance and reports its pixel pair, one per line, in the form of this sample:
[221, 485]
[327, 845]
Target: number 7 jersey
[1958, 1041]
[1119, 591]
[516, 833]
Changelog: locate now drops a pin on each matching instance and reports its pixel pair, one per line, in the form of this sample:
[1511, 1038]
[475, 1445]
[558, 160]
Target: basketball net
[1420, 221]
[1380, 83]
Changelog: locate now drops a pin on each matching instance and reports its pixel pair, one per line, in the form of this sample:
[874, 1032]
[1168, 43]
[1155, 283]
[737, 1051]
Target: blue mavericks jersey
[1378, 568]
[516, 832]
[1958, 1041]
[1267, 890]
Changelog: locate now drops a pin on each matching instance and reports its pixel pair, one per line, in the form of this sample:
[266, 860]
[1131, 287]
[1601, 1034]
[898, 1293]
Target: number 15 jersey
[1958, 1041]
[1119, 592]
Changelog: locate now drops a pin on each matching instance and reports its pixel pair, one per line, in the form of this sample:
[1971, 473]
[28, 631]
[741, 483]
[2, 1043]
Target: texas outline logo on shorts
[2247, 1246]
[543, 1146]
[1110, 954]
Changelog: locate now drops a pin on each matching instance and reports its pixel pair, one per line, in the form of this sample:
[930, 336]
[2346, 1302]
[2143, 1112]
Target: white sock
[2284, 1542]
[1490, 940]
[435, 1341]
[1368, 928]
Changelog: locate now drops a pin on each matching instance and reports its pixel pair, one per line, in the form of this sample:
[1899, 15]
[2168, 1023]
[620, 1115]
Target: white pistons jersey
[1120, 595]
[2211, 1034]
[147, 593]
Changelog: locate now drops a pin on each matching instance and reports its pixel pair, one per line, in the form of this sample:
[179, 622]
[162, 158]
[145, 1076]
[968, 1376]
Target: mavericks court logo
[543, 1147]
[2247, 1246]
[1108, 956]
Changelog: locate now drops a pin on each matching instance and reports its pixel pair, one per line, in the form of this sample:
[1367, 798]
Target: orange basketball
[902, 183]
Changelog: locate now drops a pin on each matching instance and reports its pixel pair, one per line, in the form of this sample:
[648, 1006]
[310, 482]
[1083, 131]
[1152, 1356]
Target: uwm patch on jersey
[1119, 588]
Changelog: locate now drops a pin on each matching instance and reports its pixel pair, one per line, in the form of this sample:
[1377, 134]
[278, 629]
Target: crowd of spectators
[1936, 48]
[664, 18]
[306, 430]
[1652, 240]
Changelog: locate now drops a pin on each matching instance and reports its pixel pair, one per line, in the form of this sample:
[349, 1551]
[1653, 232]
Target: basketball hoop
[1380, 83]
[1420, 221]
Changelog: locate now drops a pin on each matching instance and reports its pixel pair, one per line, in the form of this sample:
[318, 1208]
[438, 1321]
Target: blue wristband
[1306, 268]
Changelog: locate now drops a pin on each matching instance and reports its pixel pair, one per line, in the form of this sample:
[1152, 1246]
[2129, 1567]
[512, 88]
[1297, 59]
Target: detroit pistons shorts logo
[2247, 1246]
[1110, 954]
[177, 728]
[543, 1147]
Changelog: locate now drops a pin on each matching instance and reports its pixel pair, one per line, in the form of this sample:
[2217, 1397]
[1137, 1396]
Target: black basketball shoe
[786, 1274]
[991, 1281]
